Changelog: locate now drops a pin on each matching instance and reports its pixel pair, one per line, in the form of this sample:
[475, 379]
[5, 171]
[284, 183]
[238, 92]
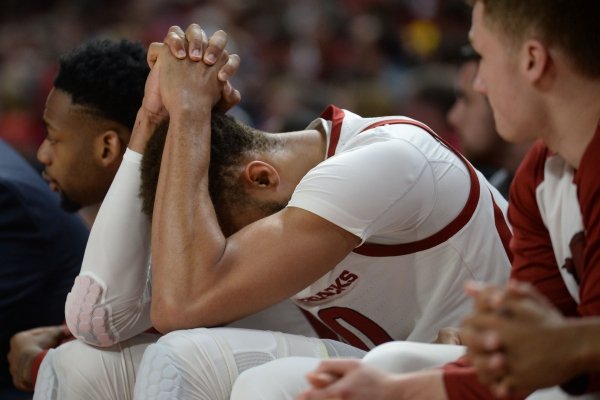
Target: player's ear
[108, 148]
[261, 175]
[536, 60]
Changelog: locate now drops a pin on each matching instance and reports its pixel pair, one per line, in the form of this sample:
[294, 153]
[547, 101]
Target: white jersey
[427, 220]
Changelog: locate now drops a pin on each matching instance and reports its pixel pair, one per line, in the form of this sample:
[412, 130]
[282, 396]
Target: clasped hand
[512, 337]
[189, 71]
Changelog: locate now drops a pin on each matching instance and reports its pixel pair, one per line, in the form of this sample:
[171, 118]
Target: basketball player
[540, 74]
[89, 96]
[345, 217]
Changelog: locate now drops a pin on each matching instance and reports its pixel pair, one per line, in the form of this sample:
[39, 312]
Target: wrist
[145, 123]
[190, 119]
[586, 355]
[426, 384]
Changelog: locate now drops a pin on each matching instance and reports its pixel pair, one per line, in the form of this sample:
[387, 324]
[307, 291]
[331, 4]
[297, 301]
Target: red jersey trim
[381, 250]
[336, 116]
[502, 229]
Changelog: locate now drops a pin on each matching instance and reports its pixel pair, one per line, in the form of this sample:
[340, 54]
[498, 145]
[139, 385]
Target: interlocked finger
[198, 41]
[176, 41]
[216, 44]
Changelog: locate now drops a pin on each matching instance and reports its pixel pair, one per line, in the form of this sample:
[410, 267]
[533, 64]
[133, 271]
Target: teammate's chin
[68, 204]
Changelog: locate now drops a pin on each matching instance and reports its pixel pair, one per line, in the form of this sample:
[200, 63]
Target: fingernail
[210, 57]
[181, 53]
[196, 53]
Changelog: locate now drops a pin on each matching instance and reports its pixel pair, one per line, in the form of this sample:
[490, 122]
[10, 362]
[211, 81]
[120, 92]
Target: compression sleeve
[110, 299]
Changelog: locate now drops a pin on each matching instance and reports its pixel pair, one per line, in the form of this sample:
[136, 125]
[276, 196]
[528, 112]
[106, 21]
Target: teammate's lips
[51, 182]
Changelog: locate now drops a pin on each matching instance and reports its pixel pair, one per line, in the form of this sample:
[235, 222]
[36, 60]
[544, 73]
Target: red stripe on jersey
[336, 116]
[502, 229]
[381, 250]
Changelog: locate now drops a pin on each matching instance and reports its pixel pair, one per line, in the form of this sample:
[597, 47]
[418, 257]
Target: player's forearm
[187, 240]
[145, 124]
[583, 334]
[583, 355]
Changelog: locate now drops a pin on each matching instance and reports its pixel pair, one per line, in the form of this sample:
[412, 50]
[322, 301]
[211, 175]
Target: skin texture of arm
[200, 277]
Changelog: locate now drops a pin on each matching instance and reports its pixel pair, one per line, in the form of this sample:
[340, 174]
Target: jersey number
[354, 327]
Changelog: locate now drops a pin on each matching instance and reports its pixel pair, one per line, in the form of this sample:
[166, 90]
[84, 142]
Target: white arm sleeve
[110, 299]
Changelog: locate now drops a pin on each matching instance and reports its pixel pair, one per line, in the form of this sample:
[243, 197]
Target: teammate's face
[67, 153]
[498, 78]
[471, 116]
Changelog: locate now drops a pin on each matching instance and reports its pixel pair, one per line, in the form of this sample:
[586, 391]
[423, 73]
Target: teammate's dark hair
[106, 77]
[230, 141]
[571, 25]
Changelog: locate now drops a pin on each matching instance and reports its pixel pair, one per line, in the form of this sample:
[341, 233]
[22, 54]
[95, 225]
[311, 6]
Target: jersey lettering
[341, 283]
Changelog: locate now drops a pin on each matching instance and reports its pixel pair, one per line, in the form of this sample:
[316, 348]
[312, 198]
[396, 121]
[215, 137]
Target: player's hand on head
[152, 102]
[176, 41]
[230, 96]
[194, 45]
[215, 50]
[189, 86]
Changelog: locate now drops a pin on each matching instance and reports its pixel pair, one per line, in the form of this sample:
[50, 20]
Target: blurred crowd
[375, 57]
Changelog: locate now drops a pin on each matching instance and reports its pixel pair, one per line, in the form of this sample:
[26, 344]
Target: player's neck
[303, 151]
[574, 117]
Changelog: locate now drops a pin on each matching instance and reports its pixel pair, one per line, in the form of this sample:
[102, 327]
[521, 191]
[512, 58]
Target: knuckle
[174, 29]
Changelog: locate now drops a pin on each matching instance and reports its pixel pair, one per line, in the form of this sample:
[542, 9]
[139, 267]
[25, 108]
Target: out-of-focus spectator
[336, 48]
[472, 118]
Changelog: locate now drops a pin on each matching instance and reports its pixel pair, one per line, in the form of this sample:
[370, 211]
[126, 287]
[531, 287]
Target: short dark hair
[570, 25]
[230, 141]
[107, 77]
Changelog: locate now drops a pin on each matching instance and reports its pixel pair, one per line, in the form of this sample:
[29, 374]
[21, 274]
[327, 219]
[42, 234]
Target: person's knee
[185, 364]
[78, 365]
[283, 378]
[250, 385]
[159, 376]
[401, 356]
[75, 370]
